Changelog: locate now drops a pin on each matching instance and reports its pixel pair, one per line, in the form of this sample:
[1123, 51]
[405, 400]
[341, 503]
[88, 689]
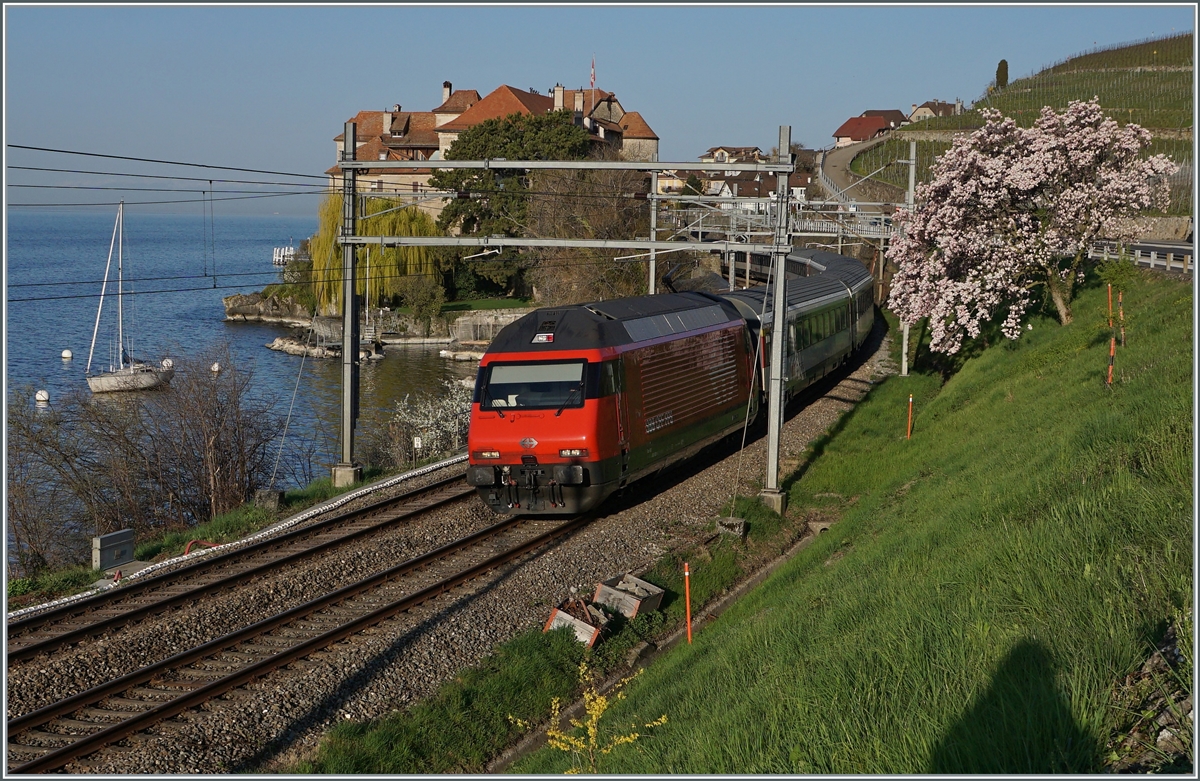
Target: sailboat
[127, 374]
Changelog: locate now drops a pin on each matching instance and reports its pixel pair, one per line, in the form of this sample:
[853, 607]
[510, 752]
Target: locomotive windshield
[555, 385]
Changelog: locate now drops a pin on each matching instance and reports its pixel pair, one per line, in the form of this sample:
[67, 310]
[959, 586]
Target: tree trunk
[1060, 292]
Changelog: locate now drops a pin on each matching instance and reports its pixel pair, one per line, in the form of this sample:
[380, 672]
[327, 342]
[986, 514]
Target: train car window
[547, 385]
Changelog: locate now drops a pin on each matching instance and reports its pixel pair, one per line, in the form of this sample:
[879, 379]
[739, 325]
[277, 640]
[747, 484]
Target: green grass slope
[989, 582]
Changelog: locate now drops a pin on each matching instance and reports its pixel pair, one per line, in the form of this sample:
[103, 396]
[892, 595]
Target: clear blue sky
[269, 87]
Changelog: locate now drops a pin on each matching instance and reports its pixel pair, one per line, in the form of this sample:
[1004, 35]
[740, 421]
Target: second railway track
[53, 736]
[48, 631]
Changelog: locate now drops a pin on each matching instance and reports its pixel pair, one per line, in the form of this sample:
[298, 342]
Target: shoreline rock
[254, 308]
[292, 346]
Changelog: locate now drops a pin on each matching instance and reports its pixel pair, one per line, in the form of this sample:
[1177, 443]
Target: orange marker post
[1112, 351]
[687, 599]
[909, 434]
[1110, 306]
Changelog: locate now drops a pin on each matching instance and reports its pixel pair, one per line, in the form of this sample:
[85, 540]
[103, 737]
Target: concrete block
[268, 499]
[584, 632]
[776, 500]
[346, 475]
[112, 550]
[628, 595]
[735, 526]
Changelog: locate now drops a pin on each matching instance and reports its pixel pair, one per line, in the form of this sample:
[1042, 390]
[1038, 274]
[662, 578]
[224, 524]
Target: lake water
[55, 266]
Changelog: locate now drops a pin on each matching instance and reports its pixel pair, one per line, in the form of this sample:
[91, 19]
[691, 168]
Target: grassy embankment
[989, 582]
[1150, 84]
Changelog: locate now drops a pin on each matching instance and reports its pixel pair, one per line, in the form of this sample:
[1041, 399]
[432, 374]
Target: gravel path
[401, 661]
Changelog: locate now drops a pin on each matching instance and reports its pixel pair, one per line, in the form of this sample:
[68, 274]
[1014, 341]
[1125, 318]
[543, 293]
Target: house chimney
[386, 123]
[957, 106]
[914, 110]
[558, 97]
[579, 106]
[446, 90]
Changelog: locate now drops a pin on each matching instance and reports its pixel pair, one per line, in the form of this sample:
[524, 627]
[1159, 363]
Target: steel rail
[38, 620]
[57, 758]
[229, 580]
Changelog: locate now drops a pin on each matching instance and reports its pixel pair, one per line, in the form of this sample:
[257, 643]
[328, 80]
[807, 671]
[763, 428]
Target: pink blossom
[1009, 209]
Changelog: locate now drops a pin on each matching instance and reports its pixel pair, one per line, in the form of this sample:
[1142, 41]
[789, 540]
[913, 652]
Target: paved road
[837, 166]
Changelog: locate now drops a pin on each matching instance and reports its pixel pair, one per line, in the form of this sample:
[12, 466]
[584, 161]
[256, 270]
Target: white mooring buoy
[67, 355]
[42, 397]
[216, 367]
[167, 363]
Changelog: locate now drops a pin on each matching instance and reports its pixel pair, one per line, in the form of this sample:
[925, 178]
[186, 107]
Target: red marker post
[909, 434]
[687, 599]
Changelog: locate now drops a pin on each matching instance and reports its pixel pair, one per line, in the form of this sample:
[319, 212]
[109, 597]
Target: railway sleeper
[200, 674]
[112, 716]
[179, 685]
[47, 739]
[87, 727]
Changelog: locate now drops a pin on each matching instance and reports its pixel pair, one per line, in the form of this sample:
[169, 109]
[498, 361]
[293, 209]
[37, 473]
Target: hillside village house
[893, 116]
[743, 184]
[858, 129]
[427, 135]
[935, 108]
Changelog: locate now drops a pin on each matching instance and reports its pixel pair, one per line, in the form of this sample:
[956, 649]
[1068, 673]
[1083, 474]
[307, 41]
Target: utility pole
[771, 496]
[909, 200]
[653, 228]
[346, 472]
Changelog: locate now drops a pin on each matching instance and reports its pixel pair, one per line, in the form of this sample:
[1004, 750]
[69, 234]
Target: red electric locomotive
[575, 402]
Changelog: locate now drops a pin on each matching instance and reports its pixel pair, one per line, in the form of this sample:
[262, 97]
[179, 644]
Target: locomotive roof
[811, 292]
[612, 323]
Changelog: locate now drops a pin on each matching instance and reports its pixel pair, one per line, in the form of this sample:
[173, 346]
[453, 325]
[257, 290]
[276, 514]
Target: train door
[617, 379]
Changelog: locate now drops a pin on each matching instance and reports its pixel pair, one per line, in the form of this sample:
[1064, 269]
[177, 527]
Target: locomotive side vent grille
[682, 381]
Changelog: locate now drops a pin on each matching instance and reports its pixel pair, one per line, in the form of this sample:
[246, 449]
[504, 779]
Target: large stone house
[427, 135]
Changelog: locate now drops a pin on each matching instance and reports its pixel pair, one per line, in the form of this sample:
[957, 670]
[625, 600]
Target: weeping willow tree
[390, 268]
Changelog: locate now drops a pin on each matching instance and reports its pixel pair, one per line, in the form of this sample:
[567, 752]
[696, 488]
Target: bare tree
[150, 461]
[587, 205]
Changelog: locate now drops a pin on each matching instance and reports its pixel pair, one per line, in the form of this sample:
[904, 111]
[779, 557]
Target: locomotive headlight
[481, 454]
[573, 452]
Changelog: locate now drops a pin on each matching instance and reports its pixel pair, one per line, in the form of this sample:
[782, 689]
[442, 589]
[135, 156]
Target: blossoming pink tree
[1012, 209]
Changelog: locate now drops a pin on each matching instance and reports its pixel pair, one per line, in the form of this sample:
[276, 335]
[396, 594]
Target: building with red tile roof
[427, 135]
[894, 116]
[858, 129]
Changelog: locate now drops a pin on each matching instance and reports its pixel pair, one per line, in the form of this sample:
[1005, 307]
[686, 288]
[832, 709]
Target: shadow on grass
[1021, 724]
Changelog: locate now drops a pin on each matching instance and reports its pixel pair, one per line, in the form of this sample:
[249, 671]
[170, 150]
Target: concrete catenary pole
[347, 472]
[909, 200]
[771, 496]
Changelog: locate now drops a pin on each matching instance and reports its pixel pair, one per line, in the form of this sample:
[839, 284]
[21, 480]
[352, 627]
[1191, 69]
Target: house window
[720, 157]
[416, 187]
[377, 185]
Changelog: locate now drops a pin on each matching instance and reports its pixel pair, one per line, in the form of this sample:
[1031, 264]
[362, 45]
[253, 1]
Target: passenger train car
[573, 403]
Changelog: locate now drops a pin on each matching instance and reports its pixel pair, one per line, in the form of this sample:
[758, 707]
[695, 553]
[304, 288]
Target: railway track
[51, 737]
[49, 631]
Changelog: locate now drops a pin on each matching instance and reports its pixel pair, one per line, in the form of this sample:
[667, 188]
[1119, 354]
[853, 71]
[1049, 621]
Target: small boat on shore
[126, 374]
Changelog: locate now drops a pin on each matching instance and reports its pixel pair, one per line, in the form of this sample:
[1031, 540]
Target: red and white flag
[593, 71]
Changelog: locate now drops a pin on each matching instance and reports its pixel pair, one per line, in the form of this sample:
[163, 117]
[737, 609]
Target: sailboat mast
[103, 288]
[120, 290]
